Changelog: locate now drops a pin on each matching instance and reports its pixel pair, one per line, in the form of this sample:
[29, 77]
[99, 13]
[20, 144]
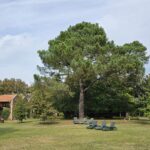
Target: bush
[5, 113]
[60, 115]
[147, 114]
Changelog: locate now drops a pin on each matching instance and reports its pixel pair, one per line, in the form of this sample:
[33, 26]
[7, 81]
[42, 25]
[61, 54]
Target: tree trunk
[120, 115]
[81, 100]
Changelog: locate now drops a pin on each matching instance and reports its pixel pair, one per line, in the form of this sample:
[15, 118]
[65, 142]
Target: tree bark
[81, 100]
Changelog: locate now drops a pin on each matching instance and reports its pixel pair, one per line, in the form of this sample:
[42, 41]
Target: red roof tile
[7, 98]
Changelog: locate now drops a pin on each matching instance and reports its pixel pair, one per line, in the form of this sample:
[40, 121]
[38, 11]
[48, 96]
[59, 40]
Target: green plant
[20, 109]
[5, 113]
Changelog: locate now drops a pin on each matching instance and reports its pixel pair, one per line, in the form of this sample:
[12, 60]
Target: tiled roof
[7, 98]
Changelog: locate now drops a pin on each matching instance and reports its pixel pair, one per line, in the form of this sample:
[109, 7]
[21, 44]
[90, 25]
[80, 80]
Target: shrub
[5, 113]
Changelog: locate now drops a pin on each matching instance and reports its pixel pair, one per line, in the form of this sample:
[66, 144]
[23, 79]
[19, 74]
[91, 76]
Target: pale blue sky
[27, 25]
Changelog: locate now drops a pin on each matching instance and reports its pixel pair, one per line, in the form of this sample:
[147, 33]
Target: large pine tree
[83, 54]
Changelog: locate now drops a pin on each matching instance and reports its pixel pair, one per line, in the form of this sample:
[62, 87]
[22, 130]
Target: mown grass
[131, 135]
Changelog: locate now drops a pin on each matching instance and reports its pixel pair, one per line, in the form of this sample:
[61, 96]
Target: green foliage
[20, 109]
[76, 52]
[110, 75]
[45, 93]
[5, 113]
[9, 86]
[141, 94]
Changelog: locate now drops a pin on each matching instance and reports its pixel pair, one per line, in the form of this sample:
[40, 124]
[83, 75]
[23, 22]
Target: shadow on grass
[4, 131]
[25, 121]
[49, 122]
[144, 122]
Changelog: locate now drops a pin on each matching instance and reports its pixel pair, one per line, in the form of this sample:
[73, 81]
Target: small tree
[20, 109]
[45, 93]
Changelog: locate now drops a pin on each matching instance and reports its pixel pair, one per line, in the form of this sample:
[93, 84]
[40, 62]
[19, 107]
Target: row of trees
[9, 86]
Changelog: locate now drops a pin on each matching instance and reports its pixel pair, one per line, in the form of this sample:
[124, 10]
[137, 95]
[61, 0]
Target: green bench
[92, 124]
[103, 125]
[111, 127]
[82, 121]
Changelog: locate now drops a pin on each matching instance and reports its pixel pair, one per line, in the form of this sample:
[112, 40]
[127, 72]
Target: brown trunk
[81, 100]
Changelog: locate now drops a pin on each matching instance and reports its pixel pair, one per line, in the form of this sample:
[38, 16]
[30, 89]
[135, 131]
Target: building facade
[8, 101]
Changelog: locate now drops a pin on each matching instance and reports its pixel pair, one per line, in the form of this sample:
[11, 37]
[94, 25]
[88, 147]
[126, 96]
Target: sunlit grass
[131, 135]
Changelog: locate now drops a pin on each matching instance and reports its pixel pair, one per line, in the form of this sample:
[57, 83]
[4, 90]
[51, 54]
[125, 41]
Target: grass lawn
[131, 135]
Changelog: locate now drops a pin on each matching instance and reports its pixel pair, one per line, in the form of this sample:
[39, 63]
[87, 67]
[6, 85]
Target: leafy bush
[5, 113]
[60, 115]
[147, 114]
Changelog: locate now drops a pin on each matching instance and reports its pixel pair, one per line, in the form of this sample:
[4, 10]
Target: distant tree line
[10, 86]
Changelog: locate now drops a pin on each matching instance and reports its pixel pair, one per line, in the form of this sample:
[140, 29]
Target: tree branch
[92, 83]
